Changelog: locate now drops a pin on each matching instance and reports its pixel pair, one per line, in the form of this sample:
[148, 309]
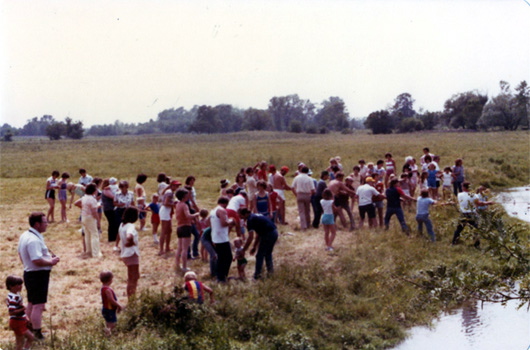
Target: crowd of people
[251, 207]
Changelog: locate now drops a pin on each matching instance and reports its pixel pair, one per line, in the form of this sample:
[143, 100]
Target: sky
[101, 61]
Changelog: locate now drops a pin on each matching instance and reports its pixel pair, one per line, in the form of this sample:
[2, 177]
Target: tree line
[468, 110]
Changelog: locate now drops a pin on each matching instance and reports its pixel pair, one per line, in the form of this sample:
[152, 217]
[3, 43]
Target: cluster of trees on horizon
[468, 110]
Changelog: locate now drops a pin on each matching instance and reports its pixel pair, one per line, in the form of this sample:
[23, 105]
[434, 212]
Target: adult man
[468, 202]
[85, 179]
[317, 208]
[366, 206]
[279, 185]
[303, 188]
[266, 237]
[220, 224]
[342, 195]
[38, 262]
[393, 206]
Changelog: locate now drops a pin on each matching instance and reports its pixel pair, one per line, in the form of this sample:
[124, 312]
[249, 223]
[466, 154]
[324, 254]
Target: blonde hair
[190, 276]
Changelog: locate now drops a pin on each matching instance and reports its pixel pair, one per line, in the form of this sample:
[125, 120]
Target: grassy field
[356, 297]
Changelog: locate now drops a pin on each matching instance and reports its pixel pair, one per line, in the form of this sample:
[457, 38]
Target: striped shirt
[195, 290]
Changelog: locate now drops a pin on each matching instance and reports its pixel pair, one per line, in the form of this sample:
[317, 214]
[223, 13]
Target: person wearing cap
[341, 194]
[365, 193]
[303, 188]
[166, 211]
[280, 186]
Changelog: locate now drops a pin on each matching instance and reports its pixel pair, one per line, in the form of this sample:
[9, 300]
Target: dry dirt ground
[75, 288]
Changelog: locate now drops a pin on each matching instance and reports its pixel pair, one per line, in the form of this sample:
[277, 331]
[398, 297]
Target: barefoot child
[154, 208]
[202, 224]
[110, 302]
[17, 313]
[63, 195]
[240, 257]
[328, 219]
[196, 289]
[447, 183]
[142, 212]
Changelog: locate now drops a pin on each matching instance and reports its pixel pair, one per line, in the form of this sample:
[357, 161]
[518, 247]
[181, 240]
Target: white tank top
[219, 232]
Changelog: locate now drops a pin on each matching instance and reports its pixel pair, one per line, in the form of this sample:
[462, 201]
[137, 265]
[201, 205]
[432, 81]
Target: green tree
[429, 119]
[403, 107]
[410, 125]
[36, 126]
[463, 110]
[206, 121]
[333, 115]
[55, 130]
[381, 122]
[522, 102]
[73, 130]
[285, 109]
[256, 119]
[231, 119]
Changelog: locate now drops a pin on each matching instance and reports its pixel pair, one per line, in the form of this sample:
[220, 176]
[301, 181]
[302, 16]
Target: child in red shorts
[17, 313]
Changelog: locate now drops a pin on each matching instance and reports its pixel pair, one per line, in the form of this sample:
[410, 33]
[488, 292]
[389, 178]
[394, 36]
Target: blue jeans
[424, 218]
[213, 256]
[266, 246]
[195, 245]
[399, 213]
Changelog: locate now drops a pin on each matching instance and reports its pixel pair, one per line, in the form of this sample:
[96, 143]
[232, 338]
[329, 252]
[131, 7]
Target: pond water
[487, 326]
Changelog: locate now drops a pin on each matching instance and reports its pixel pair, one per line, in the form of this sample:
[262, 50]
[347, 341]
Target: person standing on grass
[166, 212]
[184, 228]
[18, 321]
[107, 202]
[390, 166]
[422, 214]
[458, 176]
[468, 203]
[51, 186]
[341, 195]
[38, 262]
[328, 219]
[365, 193]
[317, 207]
[393, 206]
[85, 179]
[123, 199]
[280, 186]
[130, 252]
[264, 241]
[220, 227]
[63, 195]
[111, 306]
[303, 188]
[90, 221]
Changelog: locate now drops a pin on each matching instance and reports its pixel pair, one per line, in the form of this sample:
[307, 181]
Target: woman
[107, 202]
[123, 199]
[130, 252]
[63, 194]
[166, 211]
[90, 221]
[241, 180]
[184, 228]
[51, 186]
[458, 176]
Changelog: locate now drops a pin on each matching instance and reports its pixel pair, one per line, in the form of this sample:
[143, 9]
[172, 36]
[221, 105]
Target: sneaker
[116, 249]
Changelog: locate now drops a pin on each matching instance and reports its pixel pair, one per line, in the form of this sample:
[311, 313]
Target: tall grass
[359, 297]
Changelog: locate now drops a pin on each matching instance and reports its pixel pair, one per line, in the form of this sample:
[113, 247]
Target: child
[404, 183]
[142, 212]
[17, 313]
[378, 202]
[380, 168]
[447, 182]
[202, 224]
[431, 180]
[328, 219]
[422, 213]
[262, 203]
[240, 257]
[423, 181]
[273, 199]
[110, 301]
[390, 168]
[63, 195]
[154, 208]
[196, 289]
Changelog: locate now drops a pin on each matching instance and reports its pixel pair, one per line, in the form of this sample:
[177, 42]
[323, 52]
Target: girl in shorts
[63, 195]
[184, 222]
[51, 186]
[328, 219]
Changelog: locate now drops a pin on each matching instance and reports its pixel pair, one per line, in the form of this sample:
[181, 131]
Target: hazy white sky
[98, 61]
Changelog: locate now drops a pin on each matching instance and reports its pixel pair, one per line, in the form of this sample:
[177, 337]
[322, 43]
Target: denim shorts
[328, 219]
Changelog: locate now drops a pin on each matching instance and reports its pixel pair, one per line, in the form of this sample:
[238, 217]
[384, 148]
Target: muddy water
[487, 326]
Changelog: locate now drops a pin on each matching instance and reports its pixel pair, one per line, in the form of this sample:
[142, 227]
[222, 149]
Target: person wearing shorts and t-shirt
[366, 206]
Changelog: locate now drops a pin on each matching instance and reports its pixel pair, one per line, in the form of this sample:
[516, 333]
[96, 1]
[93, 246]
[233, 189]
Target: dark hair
[458, 162]
[223, 200]
[380, 161]
[189, 179]
[466, 185]
[230, 191]
[335, 168]
[361, 161]
[426, 149]
[12, 281]
[448, 168]
[241, 175]
[388, 155]
[91, 188]
[161, 177]
[123, 183]
[424, 193]
[324, 173]
[249, 170]
[105, 276]
[140, 178]
[339, 174]
[243, 212]
[36, 217]
[97, 181]
[81, 170]
[65, 175]
[181, 193]
[130, 215]
[304, 170]
[394, 182]
[327, 194]
[203, 213]
[56, 173]
[261, 183]
[427, 158]
[358, 168]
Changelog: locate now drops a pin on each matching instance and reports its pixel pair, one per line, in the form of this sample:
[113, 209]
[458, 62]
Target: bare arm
[113, 301]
